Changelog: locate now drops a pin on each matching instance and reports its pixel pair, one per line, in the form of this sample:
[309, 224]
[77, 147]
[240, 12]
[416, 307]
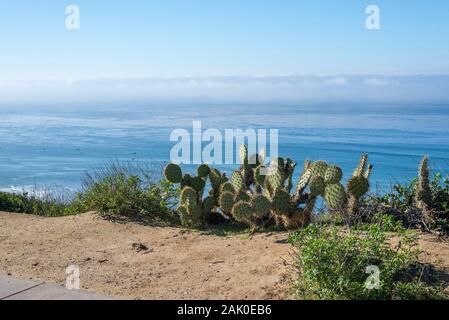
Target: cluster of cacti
[257, 193]
[193, 208]
[335, 195]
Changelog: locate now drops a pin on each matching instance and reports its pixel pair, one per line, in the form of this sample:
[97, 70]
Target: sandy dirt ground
[134, 261]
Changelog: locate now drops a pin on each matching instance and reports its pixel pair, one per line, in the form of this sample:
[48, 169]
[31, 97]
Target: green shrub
[115, 188]
[48, 205]
[400, 204]
[385, 223]
[333, 264]
[124, 189]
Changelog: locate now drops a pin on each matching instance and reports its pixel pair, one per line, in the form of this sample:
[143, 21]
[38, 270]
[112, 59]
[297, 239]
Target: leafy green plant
[333, 264]
[49, 204]
[385, 222]
[440, 192]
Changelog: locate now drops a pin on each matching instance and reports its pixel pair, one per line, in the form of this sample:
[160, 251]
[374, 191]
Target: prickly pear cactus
[276, 180]
[423, 194]
[203, 171]
[305, 178]
[261, 205]
[226, 202]
[186, 180]
[242, 196]
[242, 211]
[173, 173]
[227, 187]
[317, 186]
[215, 178]
[208, 205]
[333, 174]
[335, 196]
[253, 196]
[198, 184]
[193, 209]
[260, 175]
[319, 168]
[281, 202]
[360, 170]
[243, 154]
[188, 196]
[358, 186]
[237, 181]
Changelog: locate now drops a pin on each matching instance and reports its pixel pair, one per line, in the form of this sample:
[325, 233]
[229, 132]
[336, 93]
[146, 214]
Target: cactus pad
[208, 204]
[303, 181]
[173, 173]
[319, 168]
[358, 186]
[258, 176]
[237, 181]
[242, 196]
[243, 154]
[226, 201]
[186, 180]
[195, 213]
[227, 187]
[203, 170]
[278, 163]
[335, 196]
[242, 211]
[198, 184]
[275, 179]
[281, 202]
[261, 205]
[215, 178]
[183, 214]
[317, 186]
[188, 195]
[333, 175]
[359, 171]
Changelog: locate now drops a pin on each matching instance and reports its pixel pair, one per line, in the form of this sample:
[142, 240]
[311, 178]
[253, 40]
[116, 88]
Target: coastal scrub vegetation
[43, 203]
[349, 251]
[343, 264]
[125, 189]
[260, 195]
[112, 189]
[355, 231]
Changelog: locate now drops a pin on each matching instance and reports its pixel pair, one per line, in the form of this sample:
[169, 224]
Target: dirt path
[174, 264]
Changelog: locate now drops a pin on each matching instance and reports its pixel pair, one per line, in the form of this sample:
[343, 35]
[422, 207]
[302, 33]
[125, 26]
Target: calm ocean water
[54, 147]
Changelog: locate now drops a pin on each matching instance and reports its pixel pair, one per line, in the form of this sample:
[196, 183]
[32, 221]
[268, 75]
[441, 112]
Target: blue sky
[205, 38]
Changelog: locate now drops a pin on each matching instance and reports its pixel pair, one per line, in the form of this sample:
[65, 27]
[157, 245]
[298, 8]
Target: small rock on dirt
[140, 247]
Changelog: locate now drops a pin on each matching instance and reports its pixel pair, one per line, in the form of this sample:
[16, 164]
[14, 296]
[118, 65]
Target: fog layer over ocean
[55, 146]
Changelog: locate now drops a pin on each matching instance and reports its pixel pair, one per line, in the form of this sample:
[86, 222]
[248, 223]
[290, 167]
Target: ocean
[55, 146]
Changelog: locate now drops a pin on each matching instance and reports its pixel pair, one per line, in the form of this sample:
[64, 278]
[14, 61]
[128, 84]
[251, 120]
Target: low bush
[124, 189]
[400, 205]
[337, 263]
[115, 188]
[49, 205]
[384, 222]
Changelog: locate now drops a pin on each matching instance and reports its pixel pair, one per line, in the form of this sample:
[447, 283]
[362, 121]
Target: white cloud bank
[416, 88]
